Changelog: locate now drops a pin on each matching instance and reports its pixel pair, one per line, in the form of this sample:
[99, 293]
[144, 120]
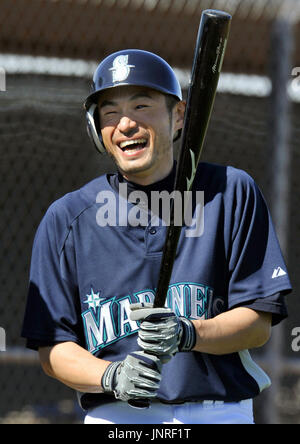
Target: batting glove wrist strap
[137, 377]
[108, 378]
[188, 335]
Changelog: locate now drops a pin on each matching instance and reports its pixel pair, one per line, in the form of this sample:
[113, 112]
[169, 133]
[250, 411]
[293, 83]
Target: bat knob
[216, 14]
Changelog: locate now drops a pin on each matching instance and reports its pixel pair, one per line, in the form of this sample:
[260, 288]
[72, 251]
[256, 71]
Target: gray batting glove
[137, 377]
[161, 332]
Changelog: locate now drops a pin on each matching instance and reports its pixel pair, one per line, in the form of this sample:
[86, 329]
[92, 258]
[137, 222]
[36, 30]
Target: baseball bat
[207, 64]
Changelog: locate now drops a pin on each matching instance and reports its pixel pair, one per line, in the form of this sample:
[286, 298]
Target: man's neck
[147, 180]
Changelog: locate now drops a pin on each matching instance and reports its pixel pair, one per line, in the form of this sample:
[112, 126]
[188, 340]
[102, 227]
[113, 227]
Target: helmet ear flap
[93, 130]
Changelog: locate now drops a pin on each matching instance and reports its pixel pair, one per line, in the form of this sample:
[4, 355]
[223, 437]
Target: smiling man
[89, 311]
[137, 130]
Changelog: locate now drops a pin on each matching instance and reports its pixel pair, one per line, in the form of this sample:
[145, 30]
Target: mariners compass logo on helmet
[120, 69]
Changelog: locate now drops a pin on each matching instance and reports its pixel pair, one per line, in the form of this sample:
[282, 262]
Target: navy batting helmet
[128, 67]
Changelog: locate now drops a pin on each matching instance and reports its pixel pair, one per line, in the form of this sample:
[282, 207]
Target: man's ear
[178, 115]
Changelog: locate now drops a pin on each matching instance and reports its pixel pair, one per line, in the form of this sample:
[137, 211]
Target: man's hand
[161, 332]
[137, 377]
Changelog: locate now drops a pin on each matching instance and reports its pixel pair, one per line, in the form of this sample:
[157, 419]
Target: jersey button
[152, 230]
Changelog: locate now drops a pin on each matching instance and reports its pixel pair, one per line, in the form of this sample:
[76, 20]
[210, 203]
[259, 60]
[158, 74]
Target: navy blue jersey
[84, 276]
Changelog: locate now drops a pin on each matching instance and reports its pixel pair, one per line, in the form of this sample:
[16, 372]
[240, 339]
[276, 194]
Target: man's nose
[126, 124]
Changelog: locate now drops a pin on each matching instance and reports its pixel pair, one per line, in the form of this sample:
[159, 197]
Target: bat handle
[143, 403]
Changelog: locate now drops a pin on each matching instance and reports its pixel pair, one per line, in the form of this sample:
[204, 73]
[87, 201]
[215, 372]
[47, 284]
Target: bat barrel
[208, 60]
[207, 64]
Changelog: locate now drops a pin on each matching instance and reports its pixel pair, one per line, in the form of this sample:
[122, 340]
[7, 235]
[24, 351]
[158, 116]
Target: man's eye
[142, 106]
[109, 112]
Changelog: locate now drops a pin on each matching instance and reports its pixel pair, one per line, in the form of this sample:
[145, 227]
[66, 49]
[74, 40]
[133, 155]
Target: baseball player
[96, 259]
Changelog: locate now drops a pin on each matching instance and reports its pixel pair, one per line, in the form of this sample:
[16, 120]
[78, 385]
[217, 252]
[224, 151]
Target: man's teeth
[132, 142]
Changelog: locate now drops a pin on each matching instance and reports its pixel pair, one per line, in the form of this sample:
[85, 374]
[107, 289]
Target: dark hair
[171, 102]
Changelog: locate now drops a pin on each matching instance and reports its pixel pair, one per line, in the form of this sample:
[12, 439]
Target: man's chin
[132, 174]
[134, 167]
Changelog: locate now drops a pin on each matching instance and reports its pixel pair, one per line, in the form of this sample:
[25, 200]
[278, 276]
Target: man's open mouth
[133, 145]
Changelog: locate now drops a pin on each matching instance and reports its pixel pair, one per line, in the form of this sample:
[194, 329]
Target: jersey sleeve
[51, 314]
[274, 304]
[257, 269]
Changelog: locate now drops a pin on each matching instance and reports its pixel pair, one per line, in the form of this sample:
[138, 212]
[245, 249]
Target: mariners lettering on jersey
[107, 320]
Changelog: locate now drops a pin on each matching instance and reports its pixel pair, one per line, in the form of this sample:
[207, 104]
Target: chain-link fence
[45, 152]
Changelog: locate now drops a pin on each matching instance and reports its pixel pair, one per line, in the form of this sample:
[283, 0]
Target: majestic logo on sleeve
[278, 272]
[107, 320]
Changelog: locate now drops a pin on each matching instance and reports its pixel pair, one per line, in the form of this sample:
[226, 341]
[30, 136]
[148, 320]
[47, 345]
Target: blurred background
[48, 52]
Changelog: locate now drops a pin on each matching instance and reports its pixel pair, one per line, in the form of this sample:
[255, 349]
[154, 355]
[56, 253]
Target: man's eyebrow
[132, 98]
[141, 96]
[107, 103]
